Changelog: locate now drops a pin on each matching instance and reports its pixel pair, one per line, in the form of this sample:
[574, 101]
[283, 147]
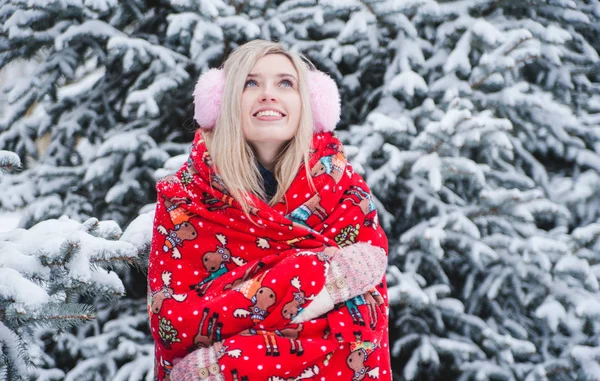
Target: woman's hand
[201, 364]
[353, 270]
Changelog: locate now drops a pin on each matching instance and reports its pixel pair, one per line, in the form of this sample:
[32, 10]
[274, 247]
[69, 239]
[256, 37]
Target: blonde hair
[233, 157]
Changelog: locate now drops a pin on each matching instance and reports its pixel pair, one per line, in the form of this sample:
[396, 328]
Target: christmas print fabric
[214, 276]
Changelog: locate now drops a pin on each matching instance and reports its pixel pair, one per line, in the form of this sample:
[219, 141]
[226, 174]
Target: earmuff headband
[324, 94]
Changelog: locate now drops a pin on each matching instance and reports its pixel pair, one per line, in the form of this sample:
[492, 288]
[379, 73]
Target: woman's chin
[274, 135]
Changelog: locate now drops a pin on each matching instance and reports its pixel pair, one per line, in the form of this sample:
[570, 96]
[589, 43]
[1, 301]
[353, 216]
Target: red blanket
[214, 276]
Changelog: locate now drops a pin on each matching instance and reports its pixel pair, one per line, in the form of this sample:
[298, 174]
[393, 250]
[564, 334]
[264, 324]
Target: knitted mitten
[202, 364]
[353, 270]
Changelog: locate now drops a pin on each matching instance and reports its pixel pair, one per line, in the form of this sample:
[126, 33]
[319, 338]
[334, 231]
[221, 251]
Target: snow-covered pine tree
[101, 76]
[114, 78]
[407, 60]
[483, 153]
[49, 276]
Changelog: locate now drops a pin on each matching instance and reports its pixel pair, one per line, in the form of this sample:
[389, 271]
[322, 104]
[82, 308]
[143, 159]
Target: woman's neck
[266, 154]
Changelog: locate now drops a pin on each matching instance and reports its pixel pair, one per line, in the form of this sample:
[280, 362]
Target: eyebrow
[280, 75]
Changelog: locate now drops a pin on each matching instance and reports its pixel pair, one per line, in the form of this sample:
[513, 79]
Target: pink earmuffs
[324, 94]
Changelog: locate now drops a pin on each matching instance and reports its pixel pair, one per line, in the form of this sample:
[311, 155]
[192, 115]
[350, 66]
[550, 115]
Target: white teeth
[269, 113]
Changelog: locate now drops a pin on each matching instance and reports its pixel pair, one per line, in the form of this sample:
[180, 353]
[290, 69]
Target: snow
[126, 142]
[139, 231]
[450, 81]
[121, 190]
[144, 51]
[408, 83]
[181, 23]
[48, 241]
[572, 265]
[357, 25]
[587, 234]
[147, 98]
[552, 311]
[83, 85]
[430, 164]
[487, 32]
[407, 291]
[27, 265]
[451, 305]
[101, 5]
[458, 60]
[13, 286]
[9, 220]
[10, 347]
[96, 28]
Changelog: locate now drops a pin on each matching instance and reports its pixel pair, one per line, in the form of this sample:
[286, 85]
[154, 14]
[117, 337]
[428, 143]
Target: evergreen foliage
[484, 151]
[50, 275]
[475, 123]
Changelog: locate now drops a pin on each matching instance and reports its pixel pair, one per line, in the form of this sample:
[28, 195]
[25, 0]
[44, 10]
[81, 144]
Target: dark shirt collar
[269, 181]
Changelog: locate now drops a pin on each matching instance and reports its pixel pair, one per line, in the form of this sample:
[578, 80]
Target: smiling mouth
[269, 114]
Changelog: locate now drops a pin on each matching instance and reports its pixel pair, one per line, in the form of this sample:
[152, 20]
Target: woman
[267, 258]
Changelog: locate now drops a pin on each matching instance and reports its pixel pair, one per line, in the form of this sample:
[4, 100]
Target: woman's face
[271, 102]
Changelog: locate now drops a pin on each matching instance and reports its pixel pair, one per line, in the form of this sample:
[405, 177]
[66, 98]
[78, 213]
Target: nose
[268, 94]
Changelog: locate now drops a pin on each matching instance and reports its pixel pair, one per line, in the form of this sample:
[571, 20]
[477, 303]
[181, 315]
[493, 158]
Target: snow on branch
[49, 271]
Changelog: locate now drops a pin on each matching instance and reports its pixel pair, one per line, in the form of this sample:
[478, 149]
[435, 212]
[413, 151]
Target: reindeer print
[327, 333]
[364, 200]
[293, 308]
[213, 330]
[216, 203]
[270, 337]
[223, 350]
[183, 230]
[332, 165]
[235, 285]
[292, 334]
[214, 262]
[311, 207]
[360, 350]
[224, 202]
[216, 181]
[270, 341]
[263, 242]
[372, 300]
[293, 242]
[165, 292]
[250, 272]
[357, 318]
[262, 299]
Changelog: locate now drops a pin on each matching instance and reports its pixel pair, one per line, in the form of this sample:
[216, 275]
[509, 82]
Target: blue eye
[250, 81]
[289, 83]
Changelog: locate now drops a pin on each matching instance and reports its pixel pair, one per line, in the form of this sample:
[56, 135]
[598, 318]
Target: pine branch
[51, 315]
[530, 57]
[381, 20]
